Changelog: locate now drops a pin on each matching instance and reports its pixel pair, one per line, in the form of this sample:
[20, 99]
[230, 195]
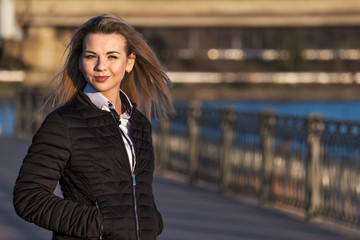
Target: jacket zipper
[135, 206]
[132, 171]
[101, 220]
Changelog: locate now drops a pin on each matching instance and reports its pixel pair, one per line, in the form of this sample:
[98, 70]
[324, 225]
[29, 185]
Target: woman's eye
[90, 56]
[113, 57]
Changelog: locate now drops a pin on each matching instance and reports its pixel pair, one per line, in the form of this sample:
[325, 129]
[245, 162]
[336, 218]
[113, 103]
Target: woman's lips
[101, 78]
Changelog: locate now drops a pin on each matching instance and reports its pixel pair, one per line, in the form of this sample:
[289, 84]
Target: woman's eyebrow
[112, 52]
[88, 51]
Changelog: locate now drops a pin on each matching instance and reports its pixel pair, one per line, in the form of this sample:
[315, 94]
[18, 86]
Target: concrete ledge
[193, 12]
[265, 77]
[12, 76]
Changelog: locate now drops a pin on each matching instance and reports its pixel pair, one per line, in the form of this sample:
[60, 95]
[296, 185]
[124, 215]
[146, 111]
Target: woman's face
[104, 62]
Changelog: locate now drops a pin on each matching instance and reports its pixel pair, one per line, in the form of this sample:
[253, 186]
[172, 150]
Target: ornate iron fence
[246, 156]
[290, 160]
[340, 170]
[305, 162]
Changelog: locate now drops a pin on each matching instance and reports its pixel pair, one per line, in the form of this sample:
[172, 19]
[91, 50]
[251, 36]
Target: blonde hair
[146, 85]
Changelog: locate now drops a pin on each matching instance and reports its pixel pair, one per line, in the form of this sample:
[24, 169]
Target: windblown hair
[147, 84]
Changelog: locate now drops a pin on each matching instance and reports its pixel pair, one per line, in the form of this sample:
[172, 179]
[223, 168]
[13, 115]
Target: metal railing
[304, 162]
[30, 111]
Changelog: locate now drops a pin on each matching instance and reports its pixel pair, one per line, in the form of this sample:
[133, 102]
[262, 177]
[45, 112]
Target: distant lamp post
[8, 26]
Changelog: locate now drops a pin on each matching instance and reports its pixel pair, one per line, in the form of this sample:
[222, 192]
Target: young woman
[98, 144]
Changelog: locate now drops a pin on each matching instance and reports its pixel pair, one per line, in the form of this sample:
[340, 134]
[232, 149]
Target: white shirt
[105, 104]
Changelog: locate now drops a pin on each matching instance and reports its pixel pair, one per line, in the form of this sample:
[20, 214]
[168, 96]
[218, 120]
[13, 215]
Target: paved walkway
[189, 213]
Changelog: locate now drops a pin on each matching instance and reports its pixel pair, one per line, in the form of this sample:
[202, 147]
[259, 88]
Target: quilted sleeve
[34, 200]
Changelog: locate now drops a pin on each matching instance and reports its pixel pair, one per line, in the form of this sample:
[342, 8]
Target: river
[339, 110]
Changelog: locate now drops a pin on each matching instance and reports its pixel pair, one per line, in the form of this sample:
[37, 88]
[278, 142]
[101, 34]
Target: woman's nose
[100, 65]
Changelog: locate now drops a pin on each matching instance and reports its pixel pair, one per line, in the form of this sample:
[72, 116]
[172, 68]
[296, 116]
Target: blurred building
[221, 36]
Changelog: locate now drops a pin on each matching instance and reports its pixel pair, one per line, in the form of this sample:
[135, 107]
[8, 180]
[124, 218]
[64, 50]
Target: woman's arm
[42, 167]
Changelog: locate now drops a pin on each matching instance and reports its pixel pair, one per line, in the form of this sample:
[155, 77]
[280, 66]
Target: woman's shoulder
[66, 109]
[139, 116]
[140, 122]
[75, 108]
[60, 113]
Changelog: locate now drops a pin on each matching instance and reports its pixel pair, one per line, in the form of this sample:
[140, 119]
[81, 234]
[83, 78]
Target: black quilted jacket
[81, 146]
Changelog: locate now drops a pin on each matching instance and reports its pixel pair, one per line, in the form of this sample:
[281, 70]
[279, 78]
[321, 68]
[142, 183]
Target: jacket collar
[103, 103]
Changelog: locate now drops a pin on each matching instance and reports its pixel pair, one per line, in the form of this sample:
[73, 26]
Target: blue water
[7, 118]
[339, 110]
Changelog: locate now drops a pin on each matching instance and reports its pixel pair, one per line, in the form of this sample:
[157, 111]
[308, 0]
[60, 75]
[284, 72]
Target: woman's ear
[130, 62]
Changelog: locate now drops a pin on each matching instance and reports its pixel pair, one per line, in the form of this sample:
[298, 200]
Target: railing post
[315, 127]
[267, 128]
[24, 113]
[164, 143]
[19, 113]
[39, 110]
[194, 112]
[227, 122]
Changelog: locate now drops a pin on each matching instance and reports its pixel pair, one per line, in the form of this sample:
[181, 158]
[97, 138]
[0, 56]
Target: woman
[98, 145]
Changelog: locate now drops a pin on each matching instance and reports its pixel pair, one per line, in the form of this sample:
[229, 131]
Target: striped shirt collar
[102, 102]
